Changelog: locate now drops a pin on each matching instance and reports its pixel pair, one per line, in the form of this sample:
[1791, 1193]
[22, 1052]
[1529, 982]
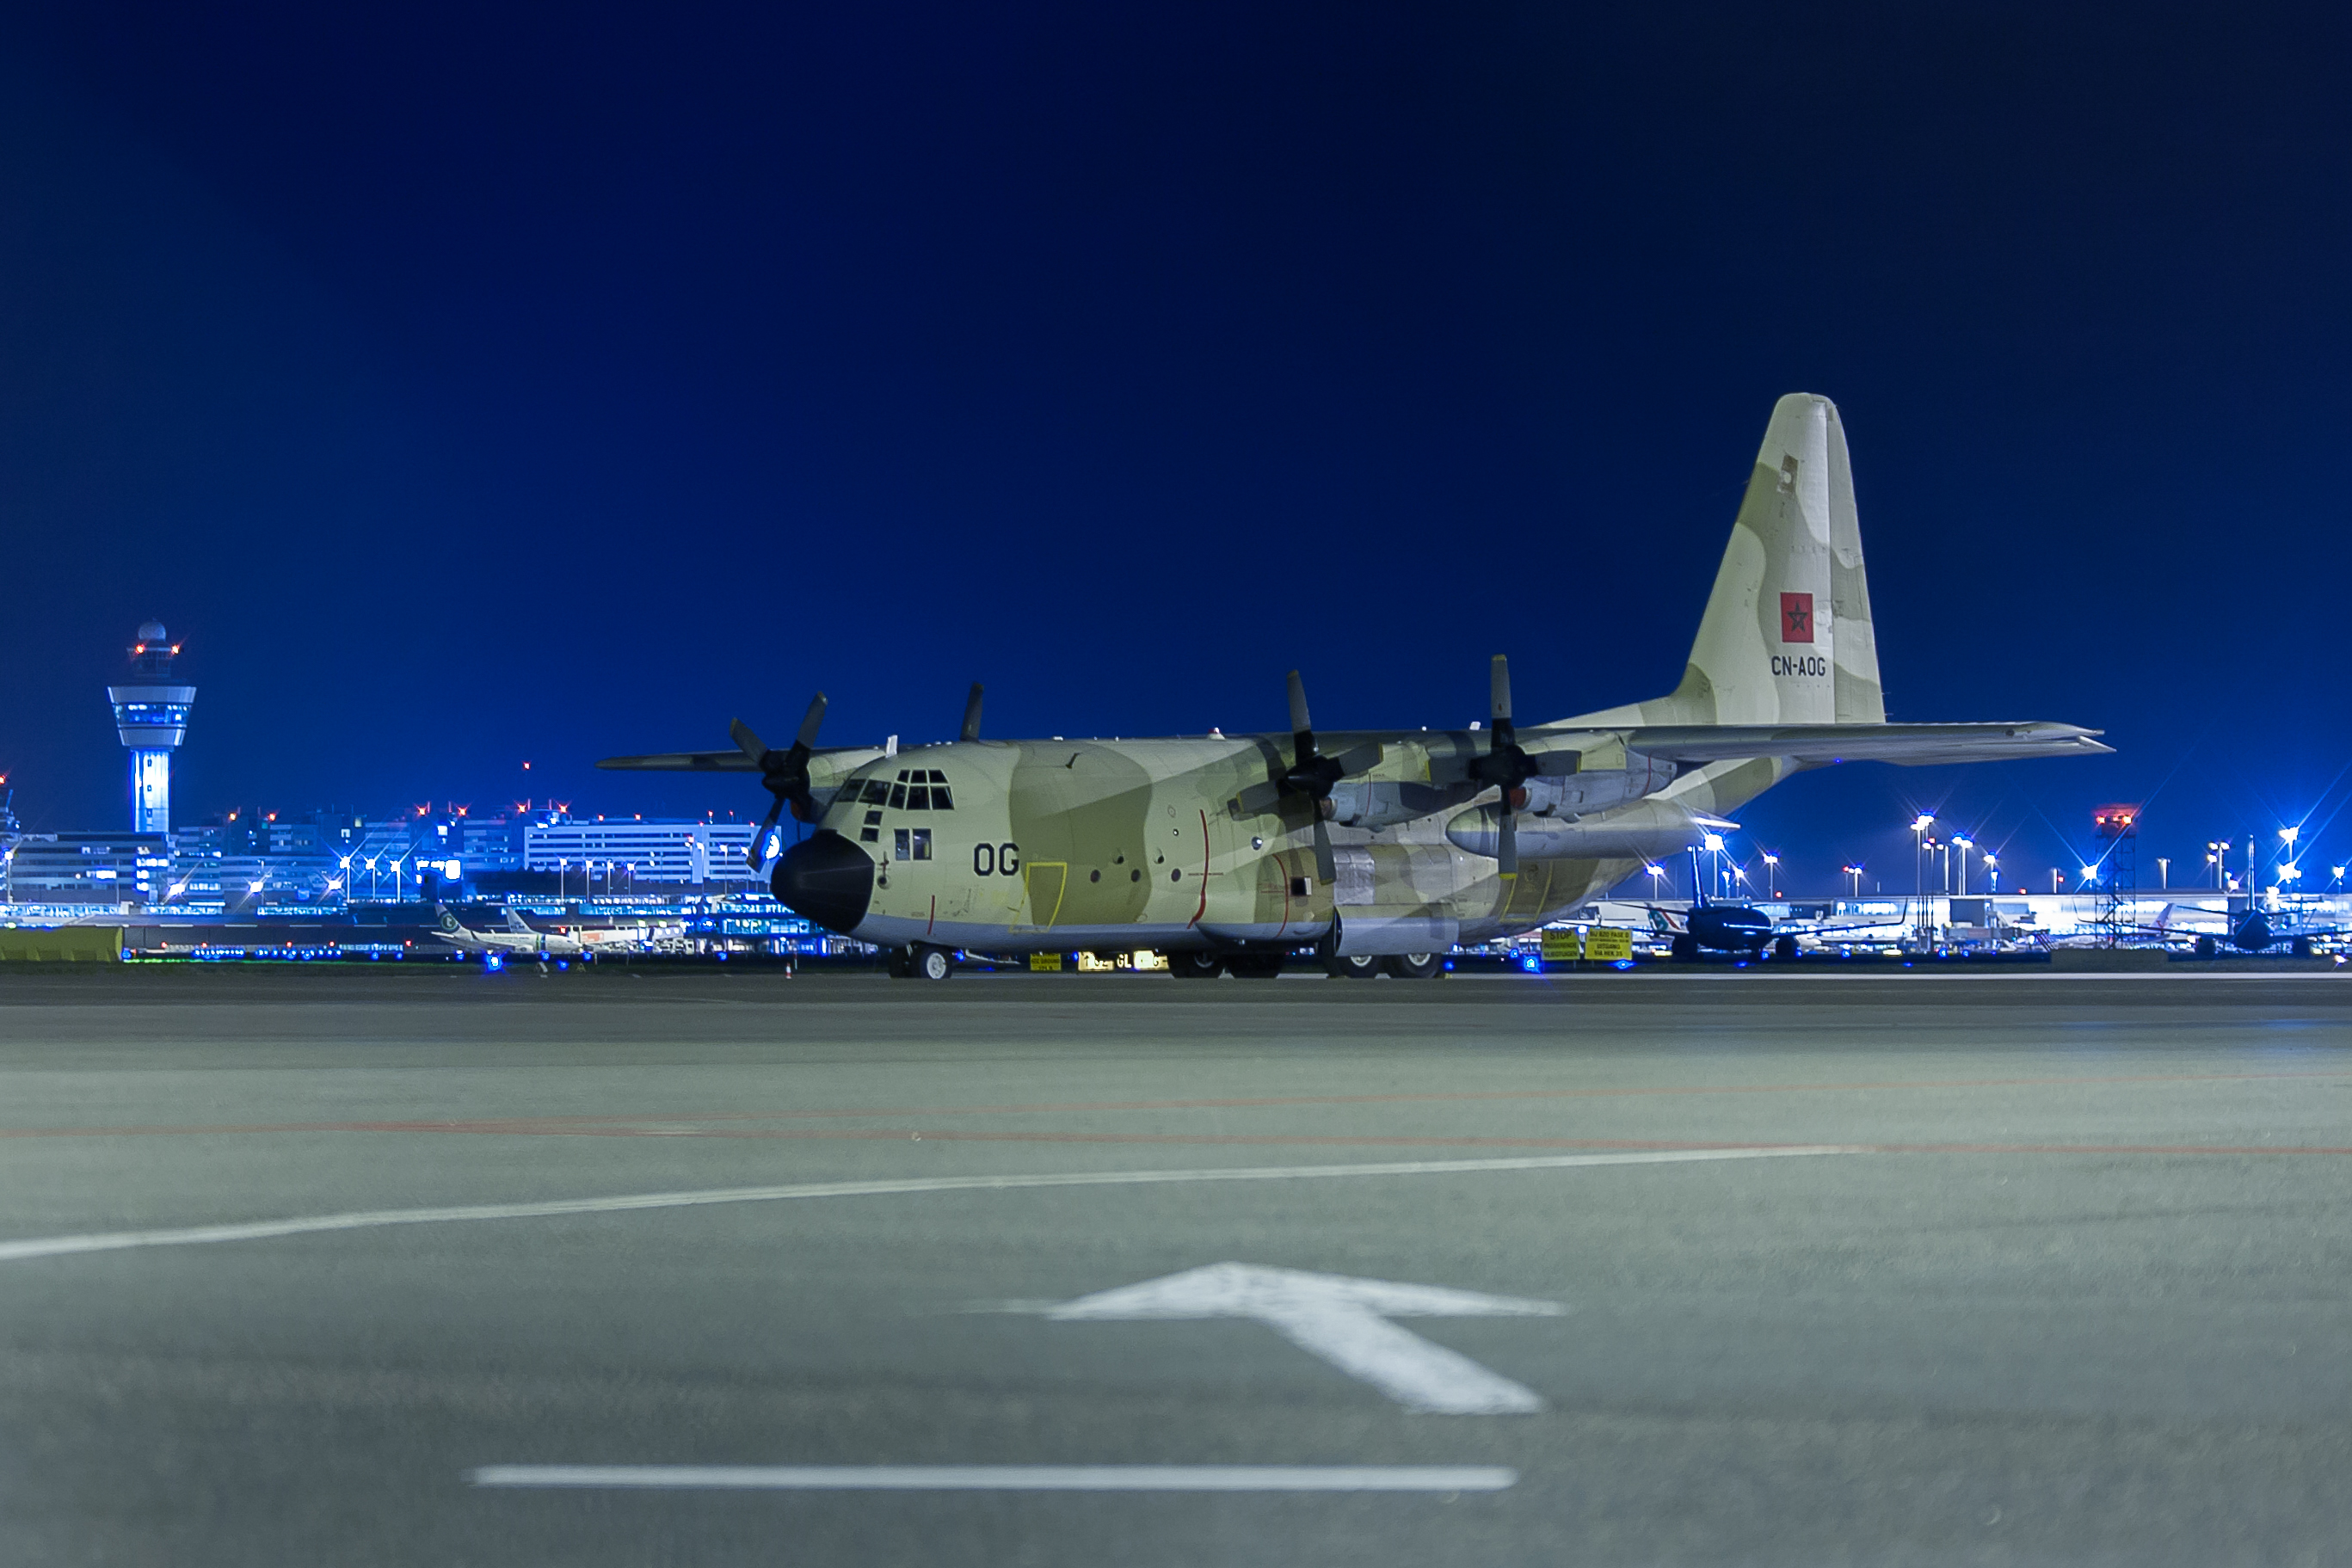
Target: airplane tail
[517, 925]
[1787, 636]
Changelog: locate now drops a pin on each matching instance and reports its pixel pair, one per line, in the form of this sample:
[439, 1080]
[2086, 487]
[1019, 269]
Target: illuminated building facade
[151, 714]
[102, 869]
[691, 852]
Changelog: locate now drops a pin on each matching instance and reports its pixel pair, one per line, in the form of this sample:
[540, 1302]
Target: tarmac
[404, 1265]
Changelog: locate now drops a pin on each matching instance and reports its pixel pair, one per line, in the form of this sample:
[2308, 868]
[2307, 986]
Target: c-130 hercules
[1378, 849]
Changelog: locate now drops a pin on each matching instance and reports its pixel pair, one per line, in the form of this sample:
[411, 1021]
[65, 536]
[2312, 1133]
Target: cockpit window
[908, 792]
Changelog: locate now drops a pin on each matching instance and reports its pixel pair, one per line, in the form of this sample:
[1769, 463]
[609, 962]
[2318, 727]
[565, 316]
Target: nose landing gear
[921, 962]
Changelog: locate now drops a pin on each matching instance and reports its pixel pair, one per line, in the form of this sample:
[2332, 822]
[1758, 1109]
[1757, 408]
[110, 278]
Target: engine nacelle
[1581, 794]
[1382, 803]
[1641, 830]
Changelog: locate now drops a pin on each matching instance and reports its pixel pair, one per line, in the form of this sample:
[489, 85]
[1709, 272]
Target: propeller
[785, 773]
[971, 730]
[1506, 767]
[1311, 775]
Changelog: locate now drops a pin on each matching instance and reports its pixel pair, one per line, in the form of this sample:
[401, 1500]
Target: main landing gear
[921, 962]
[1398, 966]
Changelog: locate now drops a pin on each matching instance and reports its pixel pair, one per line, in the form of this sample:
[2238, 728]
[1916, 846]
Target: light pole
[1655, 872]
[1772, 874]
[2056, 876]
[1715, 864]
[1964, 843]
[1855, 872]
[1992, 871]
[2164, 873]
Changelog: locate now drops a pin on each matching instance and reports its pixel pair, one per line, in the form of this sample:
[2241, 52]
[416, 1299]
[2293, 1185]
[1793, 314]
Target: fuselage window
[897, 796]
[898, 844]
[919, 798]
[872, 832]
[940, 800]
[877, 791]
[922, 843]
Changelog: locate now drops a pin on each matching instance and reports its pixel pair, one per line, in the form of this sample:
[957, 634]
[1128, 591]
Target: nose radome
[828, 879]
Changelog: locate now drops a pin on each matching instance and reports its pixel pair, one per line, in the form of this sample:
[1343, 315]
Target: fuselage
[1185, 842]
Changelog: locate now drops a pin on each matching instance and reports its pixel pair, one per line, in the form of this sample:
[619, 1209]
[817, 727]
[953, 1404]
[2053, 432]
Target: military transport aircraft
[1375, 848]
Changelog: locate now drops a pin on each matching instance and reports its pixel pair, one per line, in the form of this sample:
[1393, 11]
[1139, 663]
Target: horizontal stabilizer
[1910, 744]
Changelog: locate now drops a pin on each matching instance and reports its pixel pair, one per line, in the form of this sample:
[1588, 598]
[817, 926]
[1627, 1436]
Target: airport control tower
[151, 716]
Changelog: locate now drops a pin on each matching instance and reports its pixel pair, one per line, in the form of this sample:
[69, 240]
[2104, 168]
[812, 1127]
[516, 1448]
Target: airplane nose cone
[828, 879]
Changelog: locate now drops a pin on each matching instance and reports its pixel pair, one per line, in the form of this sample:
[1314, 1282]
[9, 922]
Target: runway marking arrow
[1344, 1322]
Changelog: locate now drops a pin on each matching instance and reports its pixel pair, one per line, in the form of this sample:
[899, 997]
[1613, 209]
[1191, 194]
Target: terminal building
[100, 870]
[703, 855]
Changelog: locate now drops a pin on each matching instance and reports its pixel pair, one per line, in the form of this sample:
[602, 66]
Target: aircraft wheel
[1354, 966]
[2206, 946]
[1684, 949]
[1784, 947]
[1195, 966]
[929, 963]
[1255, 966]
[1415, 966]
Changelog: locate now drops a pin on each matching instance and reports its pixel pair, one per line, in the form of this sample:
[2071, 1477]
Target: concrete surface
[2077, 1294]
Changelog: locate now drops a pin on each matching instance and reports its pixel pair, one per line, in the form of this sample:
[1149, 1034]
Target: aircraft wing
[721, 761]
[731, 760]
[1909, 745]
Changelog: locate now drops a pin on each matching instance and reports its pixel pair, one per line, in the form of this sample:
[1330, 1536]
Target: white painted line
[366, 1219]
[1007, 1478]
[1340, 1319]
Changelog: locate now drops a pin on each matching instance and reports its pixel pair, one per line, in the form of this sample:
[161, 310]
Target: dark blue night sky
[472, 384]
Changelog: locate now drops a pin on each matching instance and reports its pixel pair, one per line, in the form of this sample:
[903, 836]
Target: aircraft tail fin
[1787, 636]
[517, 923]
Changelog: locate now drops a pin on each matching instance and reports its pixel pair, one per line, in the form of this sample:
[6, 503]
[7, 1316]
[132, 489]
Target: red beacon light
[2117, 821]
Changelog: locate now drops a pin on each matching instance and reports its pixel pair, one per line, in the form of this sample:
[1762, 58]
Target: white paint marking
[266, 1229]
[1008, 1477]
[1344, 1322]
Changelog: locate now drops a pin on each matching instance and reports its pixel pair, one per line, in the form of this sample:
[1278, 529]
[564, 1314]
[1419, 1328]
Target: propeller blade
[1506, 841]
[752, 851]
[805, 742]
[1326, 865]
[971, 730]
[752, 745]
[1300, 724]
[1499, 681]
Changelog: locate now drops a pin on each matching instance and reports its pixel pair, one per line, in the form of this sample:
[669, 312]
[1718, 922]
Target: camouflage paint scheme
[1184, 842]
